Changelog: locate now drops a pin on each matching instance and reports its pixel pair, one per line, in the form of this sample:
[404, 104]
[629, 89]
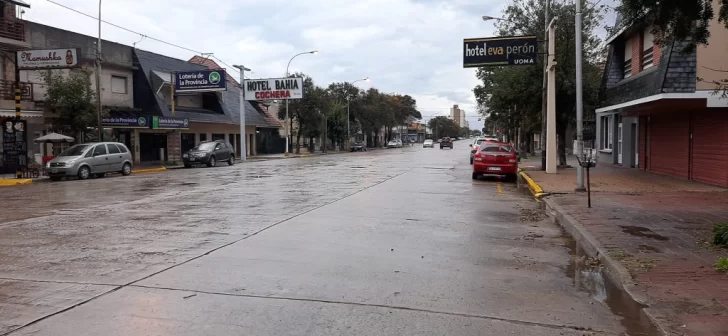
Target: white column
[551, 156]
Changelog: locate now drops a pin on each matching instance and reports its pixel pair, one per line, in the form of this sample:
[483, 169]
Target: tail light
[513, 159]
[478, 157]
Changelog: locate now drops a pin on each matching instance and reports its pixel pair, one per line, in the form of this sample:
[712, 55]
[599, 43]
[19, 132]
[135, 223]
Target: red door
[669, 144]
[709, 161]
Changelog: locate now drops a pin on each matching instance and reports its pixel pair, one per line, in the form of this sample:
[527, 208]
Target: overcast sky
[406, 46]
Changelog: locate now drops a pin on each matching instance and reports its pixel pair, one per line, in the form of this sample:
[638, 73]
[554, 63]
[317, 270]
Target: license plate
[54, 171]
[193, 159]
[494, 168]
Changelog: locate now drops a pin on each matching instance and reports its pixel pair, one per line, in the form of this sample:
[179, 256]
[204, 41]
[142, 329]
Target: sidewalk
[653, 235]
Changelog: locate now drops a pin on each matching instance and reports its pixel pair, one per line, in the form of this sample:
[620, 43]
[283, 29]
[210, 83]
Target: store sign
[202, 80]
[274, 88]
[170, 123]
[500, 51]
[47, 59]
[126, 122]
[15, 145]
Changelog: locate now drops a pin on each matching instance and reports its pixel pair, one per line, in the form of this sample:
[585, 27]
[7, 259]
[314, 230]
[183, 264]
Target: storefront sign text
[500, 51]
[47, 59]
[274, 88]
[202, 80]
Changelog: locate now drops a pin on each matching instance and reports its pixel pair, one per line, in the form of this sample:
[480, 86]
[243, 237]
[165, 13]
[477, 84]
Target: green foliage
[442, 126]
[722, 265]
[70, 97]
[720, 234]
[512, 95]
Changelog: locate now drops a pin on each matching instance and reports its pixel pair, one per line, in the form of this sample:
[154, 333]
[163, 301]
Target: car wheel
[475, 176]
[84, 172]
[471, 160]
[231, 160]
[55, 178]
[212, 162]
[126, 169]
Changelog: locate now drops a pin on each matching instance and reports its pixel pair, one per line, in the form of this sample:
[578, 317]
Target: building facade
[659, 111]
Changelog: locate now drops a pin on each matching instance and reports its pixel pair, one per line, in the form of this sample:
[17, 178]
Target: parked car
[85, 160]
[210, 153]
[491, 138]
[495, 158]
[358, 146]
[428, 144]
[394, 143]
[474, 147]
[446, 142]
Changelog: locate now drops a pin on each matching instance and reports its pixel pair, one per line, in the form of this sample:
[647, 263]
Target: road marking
[499, 187]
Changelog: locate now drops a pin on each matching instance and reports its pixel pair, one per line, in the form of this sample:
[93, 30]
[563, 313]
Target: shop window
[203, 137]
[606, 134]
[218, 136]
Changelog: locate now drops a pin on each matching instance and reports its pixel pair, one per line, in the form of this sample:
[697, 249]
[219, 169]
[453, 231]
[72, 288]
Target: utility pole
[243, 148]
[579, 97]
[98, 79]
[551, 110]
[544, 93]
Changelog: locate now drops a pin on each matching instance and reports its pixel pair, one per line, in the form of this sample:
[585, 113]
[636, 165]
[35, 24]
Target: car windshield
[477, 142]
[205, 146]
[76, 150]
[496, 148]
[428, 141]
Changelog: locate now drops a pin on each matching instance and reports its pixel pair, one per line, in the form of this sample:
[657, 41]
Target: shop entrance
[149, 145]
[188, 142]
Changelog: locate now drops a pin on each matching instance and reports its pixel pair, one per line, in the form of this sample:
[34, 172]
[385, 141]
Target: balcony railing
[11, 29]
[7, 90]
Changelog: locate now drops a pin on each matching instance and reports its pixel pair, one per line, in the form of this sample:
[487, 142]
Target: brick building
[656, 114]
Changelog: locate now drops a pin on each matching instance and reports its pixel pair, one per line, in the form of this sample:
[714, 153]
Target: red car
[495, 158]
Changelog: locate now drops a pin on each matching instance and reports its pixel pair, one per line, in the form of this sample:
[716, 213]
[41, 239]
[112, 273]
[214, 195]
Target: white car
[396, 143]
[428, 143]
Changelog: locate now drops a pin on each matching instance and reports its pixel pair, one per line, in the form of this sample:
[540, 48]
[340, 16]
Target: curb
[618, 274]
[14, 182]
[535, 189]
[150, 170]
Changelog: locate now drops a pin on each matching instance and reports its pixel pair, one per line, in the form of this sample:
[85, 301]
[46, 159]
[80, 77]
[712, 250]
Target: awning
[23, 114]
[19, 3]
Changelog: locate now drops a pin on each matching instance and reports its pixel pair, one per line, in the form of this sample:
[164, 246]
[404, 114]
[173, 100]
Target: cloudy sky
[406, 46]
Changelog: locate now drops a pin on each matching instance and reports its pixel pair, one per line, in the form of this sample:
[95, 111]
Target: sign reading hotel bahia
[47, 59]
[274, 88]
[500, 51]
[201, 80]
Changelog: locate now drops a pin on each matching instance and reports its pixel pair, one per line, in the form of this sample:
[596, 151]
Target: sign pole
[551, 104]
[243, 148]
[579, 96]
[171, 91]
[98, 79]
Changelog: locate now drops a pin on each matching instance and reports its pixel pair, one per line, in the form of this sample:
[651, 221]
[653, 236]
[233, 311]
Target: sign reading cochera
[500, 51]
[274, 88]
[126, 122]
[202, 80]
[170, 123]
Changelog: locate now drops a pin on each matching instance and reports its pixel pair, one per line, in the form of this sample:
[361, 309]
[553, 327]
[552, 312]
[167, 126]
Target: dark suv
[446, 142]
[209, 153]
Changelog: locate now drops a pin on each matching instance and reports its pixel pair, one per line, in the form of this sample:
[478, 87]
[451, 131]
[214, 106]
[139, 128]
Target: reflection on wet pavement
[397, 242]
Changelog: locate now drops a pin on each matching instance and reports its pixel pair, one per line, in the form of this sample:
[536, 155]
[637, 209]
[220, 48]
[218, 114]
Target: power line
[138, 33]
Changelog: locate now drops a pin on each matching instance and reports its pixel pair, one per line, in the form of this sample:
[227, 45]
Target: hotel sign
[274, 88]
[500, 51]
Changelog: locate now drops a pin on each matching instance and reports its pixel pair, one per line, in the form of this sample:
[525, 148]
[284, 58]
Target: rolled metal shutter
[709, 152]
[669, 144]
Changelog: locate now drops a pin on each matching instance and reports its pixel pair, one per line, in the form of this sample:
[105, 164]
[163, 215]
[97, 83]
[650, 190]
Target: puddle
[642, 232]
[592, 280]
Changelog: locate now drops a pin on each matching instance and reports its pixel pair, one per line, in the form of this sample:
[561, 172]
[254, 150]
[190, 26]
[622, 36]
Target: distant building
[458, 115]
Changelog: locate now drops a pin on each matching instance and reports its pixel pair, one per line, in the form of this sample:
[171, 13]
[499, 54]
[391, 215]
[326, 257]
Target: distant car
[428, 144]
[358, 146]
[491, 138]
[495, 158]
[396, 143]
[446, 142]
[84, 160]
[210, 153]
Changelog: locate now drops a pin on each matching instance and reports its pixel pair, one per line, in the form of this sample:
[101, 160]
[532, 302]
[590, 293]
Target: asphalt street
[387, 242]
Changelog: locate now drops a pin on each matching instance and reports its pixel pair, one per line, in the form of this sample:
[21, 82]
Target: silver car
[96, 158]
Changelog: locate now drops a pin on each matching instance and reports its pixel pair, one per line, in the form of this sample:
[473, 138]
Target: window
[217, 136]
[221, 145]
[122, 148]
[606, 136]
[496, 148]
[113, 149]
[118, 84]
[100, 150]
[648, 44]
[627, 58]
[203, 137]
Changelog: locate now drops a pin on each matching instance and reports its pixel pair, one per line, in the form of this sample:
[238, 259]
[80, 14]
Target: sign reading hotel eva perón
[500, 51]
[47, 59]
[274, 88]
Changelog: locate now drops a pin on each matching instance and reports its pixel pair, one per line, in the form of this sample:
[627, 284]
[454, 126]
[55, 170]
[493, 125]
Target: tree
[512, 94]
[680, 19]
[304, 111]
[442, 126]
[70, 97]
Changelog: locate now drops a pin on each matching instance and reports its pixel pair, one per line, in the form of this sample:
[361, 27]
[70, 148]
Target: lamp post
[579, 98]
[348, 103]
[290, 123]
[243, 148]
[98, 79]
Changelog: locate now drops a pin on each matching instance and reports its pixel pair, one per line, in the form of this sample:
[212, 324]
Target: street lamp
[290, 123]
[489, 18]
[243, 148]
[98, 79]
[348, 102]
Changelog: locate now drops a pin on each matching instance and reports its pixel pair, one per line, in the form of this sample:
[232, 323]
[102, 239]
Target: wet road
[389, 242]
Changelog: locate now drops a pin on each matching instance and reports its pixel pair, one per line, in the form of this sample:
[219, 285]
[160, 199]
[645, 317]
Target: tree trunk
[298, 143]
[561, 133]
